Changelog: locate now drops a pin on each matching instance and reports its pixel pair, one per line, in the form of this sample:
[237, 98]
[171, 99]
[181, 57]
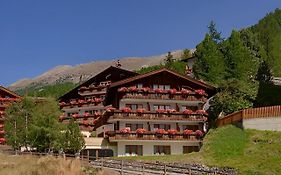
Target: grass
[252, 152]
[28, 165]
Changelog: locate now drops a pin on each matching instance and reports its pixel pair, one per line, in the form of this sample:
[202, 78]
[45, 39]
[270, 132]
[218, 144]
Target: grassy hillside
[55, 90]
[250, 151]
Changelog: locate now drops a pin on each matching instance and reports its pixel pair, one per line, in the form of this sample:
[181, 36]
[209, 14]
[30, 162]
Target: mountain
[82, 72]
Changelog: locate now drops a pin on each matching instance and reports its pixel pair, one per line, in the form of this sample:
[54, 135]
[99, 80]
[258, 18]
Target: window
[161, 107]
[139, 85]
[165, 87]
[161, 149]
[193, 108]
[134, 127]
[162, 126]
[134, 106]
[133, 149]
[190, 127]
[189, 149]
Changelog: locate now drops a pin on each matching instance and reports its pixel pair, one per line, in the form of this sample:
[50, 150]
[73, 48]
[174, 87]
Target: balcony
[133, 136]
[92, 90]
[172, 94]
[150, 115]
[82, 103]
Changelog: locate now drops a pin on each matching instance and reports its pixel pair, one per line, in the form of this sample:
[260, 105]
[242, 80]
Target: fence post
[142, 168]
[165, 169]
[102, 163]
[122, 164]
[88, 155]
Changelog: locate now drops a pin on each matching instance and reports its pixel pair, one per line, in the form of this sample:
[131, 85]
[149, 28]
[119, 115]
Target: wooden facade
[6, 98]
[160, 100]
[85, 102]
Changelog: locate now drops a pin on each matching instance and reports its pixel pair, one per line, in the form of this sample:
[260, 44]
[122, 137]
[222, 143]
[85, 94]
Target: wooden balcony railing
[81, 103]
[167, 96]
[149, 115]
[115, 135]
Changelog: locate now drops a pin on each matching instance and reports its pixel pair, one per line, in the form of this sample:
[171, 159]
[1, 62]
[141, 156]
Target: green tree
[214, 34]
[210, 65]
[73, 139]
[241, 64]
[186, 54]
[16, 123]
[169, 60]
[45, 129]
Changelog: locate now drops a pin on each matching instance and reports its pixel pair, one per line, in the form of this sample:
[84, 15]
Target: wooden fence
[142, 167]
[262, 112]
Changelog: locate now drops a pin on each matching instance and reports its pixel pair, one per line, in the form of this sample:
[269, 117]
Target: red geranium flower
[172, 131]
[125, 130]
[188, 111]
[160, 131]
[185, 91]
[172, 91]
[202, 112]
[199, 133]
[126, 109]
[200, 92]
[123, 89]
[140, 131]
[187, 132]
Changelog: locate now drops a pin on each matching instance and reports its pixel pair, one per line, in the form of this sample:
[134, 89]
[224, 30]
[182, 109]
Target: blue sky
[37, 35]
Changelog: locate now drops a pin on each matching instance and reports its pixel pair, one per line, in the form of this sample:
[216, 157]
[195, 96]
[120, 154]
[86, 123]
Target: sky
[37, 35]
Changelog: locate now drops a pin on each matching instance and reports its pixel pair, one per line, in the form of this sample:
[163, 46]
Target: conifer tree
[210, 64]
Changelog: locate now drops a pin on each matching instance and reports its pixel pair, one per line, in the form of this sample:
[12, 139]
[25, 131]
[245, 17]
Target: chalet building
[85, 102]
[157, 113]
[6, 97]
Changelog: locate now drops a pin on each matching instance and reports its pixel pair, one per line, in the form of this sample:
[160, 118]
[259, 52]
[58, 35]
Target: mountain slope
[66, 73]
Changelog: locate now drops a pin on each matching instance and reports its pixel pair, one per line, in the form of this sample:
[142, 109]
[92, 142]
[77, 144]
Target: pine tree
[210, 64]
[215, 35]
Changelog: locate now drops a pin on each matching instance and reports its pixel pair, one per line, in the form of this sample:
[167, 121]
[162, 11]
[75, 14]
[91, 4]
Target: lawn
[250, 151]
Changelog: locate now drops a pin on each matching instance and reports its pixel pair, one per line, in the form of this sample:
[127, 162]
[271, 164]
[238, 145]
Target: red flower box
[75, 115]
[140, 131]
[2, 140]
[185, 91]
[86, 114]
[145, 89]
[159, 91]
[2, 112]
[140, 110]
[201, 112]
[171, 110]
[172, 132]
[81, 101]
[160, 110]
[199, 133]
[200, 92]
[187, 132]
[1, 125]
[172, 91]
[61, 104]
[2, 132]
[125, 130]
[133, 89]
[160, 131]
[110, 109]
[123, 89]
[126, 109]
[187, 111]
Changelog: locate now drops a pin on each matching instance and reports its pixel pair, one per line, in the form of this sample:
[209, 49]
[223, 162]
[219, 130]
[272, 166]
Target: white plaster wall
[104, 128]
[269, 123]
[148, 146]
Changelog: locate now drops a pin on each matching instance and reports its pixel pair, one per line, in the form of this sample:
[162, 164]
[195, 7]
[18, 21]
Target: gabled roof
[9, 92]
[118, 83]
[111, 69]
